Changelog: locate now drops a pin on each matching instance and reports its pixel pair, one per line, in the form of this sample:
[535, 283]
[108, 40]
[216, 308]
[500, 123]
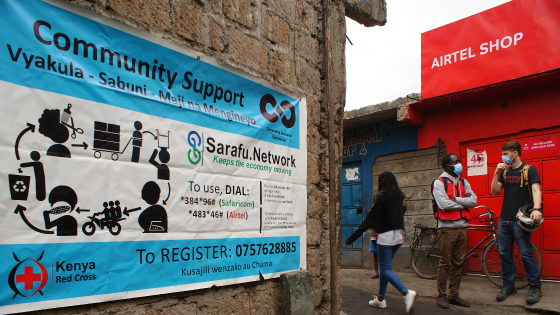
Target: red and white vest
[452, 191]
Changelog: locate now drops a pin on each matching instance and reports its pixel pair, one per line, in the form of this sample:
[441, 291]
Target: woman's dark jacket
[378, 218]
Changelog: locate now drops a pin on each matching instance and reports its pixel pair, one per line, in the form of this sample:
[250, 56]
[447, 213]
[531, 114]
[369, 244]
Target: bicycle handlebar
[489, 213]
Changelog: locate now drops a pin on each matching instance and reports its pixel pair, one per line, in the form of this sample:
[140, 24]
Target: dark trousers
[508, 232]
[453, 244]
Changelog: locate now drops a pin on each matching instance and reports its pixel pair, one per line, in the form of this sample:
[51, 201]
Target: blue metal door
[351, 215]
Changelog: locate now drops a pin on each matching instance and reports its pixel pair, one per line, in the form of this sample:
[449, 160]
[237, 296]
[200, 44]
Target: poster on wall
[476, 162]
[132, 166]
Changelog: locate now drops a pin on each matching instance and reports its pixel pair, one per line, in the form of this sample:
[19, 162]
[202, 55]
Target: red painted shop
[487, 79]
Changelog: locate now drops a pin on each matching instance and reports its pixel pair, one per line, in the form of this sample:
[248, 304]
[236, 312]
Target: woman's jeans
[508, 232]
[384, 255]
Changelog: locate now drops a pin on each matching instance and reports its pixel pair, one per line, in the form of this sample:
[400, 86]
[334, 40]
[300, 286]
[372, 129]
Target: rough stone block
[420, 178]
[217, 36]
[181, 309]
[419, 207]
[307, 77]
[267, 301]
[417, 193]
[191, 24]
[245, 14]
[297, 293]
[325, 169]
[420, 163]
[313, 112]
[230, 8]
[308, 48]
[313, 167]
[282, 68]
[396, 156]
[156, 13]
[317, 295]
[285, 8]
[276, 30]
[307, 17]
[313, 141]
[314, 201]
[216, 6]
[411, 220]
[314, 231]
[314, 261]
[165, 303]
[234, 305]
[247, 50]
[369, 13]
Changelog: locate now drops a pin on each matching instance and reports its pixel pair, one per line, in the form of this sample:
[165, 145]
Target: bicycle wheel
[425, 253]
[492, 265]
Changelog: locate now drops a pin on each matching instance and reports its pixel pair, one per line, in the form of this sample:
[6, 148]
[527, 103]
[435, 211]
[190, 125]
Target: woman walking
[387, 218]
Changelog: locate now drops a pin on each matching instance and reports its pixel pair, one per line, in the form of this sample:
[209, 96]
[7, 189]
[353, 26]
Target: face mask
[457, 168]
[506, 159]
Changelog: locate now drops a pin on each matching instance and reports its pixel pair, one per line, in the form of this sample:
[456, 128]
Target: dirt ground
[358, 288]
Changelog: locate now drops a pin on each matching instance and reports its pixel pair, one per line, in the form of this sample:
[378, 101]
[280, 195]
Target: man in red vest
[453, 197]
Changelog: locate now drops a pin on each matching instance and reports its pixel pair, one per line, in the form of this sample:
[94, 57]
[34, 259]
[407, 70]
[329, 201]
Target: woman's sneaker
[409, 299]
[376, 303]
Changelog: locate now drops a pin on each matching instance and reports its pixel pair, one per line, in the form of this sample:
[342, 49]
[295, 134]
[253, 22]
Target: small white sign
[476, 162]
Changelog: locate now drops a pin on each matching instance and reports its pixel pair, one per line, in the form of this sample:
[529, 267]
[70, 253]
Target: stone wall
[283, 42]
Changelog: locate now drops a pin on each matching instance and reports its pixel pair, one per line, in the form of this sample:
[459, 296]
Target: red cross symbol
[28, 278]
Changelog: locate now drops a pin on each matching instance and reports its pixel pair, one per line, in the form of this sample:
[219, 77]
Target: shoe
[376, 303]
[375, 275]
[443, 302]
[503, 295]
[409, 299]
[458, 301]
[534, 295]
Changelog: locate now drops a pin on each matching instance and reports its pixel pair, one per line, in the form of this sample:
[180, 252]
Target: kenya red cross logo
[28, 277]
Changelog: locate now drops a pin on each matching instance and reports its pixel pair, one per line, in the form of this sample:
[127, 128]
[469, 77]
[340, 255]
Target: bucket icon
[19, 186]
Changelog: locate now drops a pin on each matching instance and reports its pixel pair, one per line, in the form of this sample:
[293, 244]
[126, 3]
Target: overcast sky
[384, 62]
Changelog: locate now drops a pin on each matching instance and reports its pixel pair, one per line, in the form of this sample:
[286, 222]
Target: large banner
[513, 40]
[131, 166]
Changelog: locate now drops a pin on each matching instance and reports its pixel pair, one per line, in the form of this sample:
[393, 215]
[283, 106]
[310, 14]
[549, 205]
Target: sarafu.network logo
[194, 153]
[28, 277]
[278, 111]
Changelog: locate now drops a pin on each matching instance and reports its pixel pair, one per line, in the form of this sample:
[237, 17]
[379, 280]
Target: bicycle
[425, 252]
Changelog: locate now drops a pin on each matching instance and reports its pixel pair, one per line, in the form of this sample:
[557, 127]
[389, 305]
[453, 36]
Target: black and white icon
[154, 218]
[68, 121]
[163, 155]
[112, 215]
[19, 186]
[38, 170]
[30, 127]
[106, 138]
[55, 127]
[136, 142]
[62, 200]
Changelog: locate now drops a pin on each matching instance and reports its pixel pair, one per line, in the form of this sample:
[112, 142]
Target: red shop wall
[547, 162]
[516, 109]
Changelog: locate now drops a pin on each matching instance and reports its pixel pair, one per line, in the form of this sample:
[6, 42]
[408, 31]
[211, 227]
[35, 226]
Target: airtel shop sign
[513, 40]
